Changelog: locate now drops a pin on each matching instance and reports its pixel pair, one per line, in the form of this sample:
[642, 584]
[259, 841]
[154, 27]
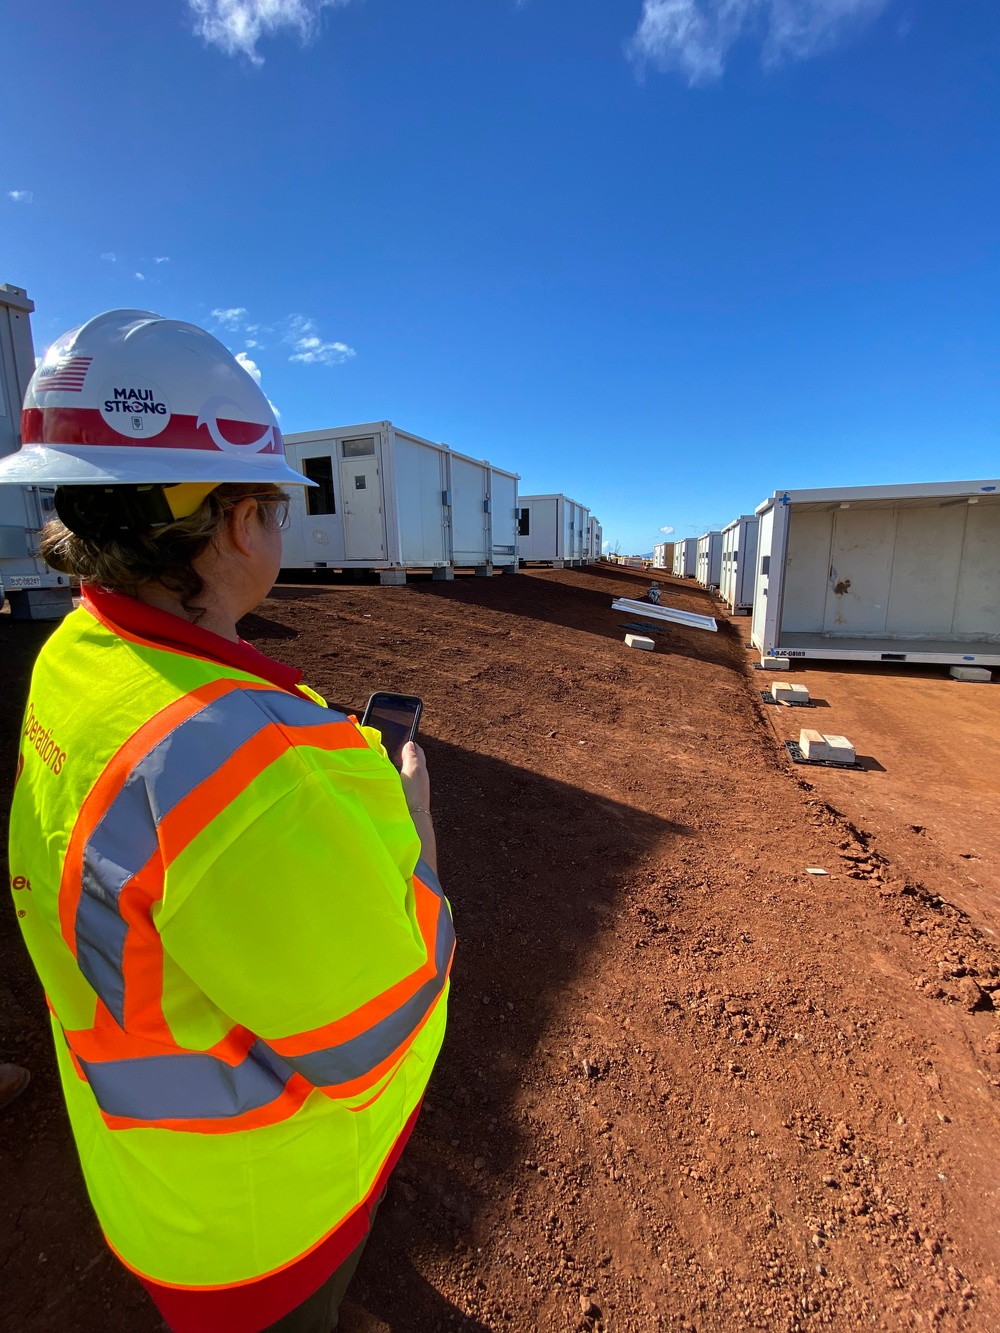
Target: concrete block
[40, 603]
[639, 641]
[775, 663]
[970, 673]
[840, 749]
[445, 573]
[812, 744]
[392, 578]
[783, 691]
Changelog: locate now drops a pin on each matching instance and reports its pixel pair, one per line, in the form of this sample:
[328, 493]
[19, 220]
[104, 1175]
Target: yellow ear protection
[184, 497]
[103, 513]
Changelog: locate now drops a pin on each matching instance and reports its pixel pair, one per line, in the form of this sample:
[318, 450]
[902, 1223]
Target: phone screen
[396, 716]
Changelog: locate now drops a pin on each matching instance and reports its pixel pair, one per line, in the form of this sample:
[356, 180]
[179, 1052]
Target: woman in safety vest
[228, 891]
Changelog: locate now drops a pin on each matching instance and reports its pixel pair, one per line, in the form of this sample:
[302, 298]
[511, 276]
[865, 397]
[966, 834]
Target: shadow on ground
[581, 600]
[533, 869]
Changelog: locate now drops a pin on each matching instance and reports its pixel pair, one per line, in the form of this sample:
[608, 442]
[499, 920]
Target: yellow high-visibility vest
[245, 959]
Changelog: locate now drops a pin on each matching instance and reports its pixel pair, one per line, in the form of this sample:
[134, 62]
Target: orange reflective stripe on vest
[192, 759]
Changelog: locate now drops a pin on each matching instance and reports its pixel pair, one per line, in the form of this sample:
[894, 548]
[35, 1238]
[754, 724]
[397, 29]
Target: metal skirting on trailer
[941, 652]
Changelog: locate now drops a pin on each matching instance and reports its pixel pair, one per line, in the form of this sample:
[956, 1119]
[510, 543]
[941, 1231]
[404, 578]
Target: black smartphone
[397, 717]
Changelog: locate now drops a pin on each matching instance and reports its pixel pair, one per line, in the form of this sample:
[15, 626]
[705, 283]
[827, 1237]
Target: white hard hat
[130, 397]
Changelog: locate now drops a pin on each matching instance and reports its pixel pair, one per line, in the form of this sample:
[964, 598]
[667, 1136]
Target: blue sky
[662, 255]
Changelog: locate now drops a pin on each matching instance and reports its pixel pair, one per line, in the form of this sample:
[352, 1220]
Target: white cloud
[236, 26]
[309, 348]
[253, 370]
[21, 196]
[110, 256]
[249, 366]
[162, 259]
[141, 277]
[696, 36]
[231, 316]
[667, 530]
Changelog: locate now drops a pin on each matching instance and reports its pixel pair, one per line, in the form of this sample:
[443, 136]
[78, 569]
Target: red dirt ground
[686, 1084]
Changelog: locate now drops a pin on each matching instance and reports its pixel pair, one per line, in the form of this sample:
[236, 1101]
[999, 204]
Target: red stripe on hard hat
[84, 425]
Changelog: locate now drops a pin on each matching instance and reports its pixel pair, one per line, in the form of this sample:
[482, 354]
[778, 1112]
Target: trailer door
[361, 487]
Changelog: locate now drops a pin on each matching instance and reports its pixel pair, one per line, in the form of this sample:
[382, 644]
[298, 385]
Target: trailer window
[524, 523]
[319, 498]
[359, 448]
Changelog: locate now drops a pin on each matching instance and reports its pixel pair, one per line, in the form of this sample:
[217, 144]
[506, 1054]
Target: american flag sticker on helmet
[64, 376]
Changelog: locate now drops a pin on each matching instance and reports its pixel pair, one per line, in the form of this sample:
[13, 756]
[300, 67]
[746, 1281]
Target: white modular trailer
[580, 533]
[663, 555]
[389, 500]
[907, 573]
[595, 539]
[685, 558]
[708, 559]
[739, 563]
[35, 591]
[552, 529]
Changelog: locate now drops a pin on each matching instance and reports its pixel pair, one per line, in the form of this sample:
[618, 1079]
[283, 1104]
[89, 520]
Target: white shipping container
[739, 563]
[708, 559]
[907, 573]
[685, 556]
[595, 539]
[663, 555]
[390, 500]
[35, 591]
[552, 530]
[581, 534]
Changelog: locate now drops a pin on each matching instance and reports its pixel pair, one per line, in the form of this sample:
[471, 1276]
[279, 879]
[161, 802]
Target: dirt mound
[687, 1084]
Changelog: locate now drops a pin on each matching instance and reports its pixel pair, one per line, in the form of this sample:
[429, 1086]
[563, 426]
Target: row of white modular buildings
[389, 501]
[907, 573]
[385, 500]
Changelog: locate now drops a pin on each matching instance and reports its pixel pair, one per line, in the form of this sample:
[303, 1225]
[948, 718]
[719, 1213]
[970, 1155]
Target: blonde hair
[164, 554]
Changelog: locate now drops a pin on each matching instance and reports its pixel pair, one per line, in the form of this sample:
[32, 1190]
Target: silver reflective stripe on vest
[190, 1086]
[357, 1057]
[126, 837]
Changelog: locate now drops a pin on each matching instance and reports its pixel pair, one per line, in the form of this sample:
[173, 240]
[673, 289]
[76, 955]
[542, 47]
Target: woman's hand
[417, 792]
